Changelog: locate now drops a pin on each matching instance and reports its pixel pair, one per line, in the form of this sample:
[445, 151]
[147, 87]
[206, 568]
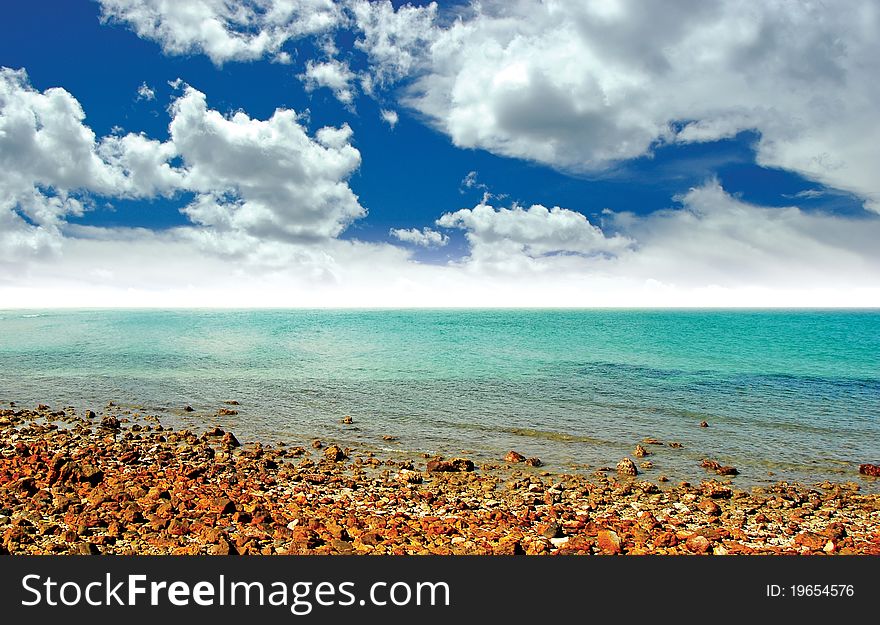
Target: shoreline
[115, 484]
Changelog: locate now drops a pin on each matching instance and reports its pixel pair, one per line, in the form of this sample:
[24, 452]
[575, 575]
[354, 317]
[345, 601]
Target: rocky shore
[118, 483]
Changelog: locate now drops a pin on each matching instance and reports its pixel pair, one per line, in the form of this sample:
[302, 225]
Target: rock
[110, 422]
[90, 414]
[316, 444]
[640, 452]
[627, 467]
[408, 476]
[835, 531]
[551, 530]
[215, 431]
[227, 412]
[229, 440]
[188, 408]
[666, 539]
[347, 420]
[674, 445]
[609, 542]
[449, 466]
[232, 402]
[534, 462]
[222, 505]
[713, 465]
[222, 548]
[388, 437]
[334, 453]
[647, 464]
[872, 470]
[559, 541]
[704, 424]
[709, 507]
[698, 544]
[42, 407]
[514, 456]
[662, 478]
[811, 540]
[651, 441]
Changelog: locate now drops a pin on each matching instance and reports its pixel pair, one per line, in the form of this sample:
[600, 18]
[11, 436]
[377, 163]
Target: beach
[120, 482]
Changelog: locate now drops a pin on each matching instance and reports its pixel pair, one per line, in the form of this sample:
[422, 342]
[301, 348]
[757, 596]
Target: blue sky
[751, 150]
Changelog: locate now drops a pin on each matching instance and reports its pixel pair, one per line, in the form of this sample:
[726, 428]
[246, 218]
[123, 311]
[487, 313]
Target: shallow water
[789, 395]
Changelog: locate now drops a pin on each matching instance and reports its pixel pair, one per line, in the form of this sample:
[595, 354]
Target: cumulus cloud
[508, 238]
[424, 237]
[333, 74]
[48, 157]
[255, 181]
[264, 178]
[222, 30]
[583, 85]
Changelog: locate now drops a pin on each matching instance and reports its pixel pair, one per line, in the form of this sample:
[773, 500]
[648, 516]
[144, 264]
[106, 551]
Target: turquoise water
[788, 394]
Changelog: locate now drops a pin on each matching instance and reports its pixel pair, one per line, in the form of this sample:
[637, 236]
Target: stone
[709, 507]
[316, 444]
[534, 462]
[110, 422]
[710, 464]
[704, 424]
[449, 466]
[227, 412]
[647, 464]
[872, 470]
[627, 467]
[666, 539]
[188, 408]
[640, 452]
[698, 544]
[215, 431]
[810, 540]
[674, 445]
[229, 440]
[609, 542]
[651, 441]
[559, 541]
[551, 530]
[725, 470]
[232, 402]
[347, 420]
[389, 438]
[514, 456]
[334, 453]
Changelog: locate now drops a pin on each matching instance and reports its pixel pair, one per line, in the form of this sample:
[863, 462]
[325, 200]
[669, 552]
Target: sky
[287, 153]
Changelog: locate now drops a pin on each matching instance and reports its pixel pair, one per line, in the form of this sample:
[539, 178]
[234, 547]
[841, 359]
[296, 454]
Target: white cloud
[267, 179]
[389, 117]
[509, 238]
[255, 181]
[222, 30]
[581, 85]
[333, 74]
[424, 237]
[145, 92]
[46, 155]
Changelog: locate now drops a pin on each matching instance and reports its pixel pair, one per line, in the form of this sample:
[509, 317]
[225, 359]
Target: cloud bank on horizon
[585, 88]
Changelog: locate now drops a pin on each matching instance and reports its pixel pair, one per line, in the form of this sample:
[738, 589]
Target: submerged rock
[450, 466]
[514, 456]
[872, 470]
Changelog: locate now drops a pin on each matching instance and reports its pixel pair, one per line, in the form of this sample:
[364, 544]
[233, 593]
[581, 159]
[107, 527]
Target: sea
[788, 395]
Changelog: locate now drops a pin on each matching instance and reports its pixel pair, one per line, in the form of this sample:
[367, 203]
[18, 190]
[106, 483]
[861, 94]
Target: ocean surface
[788, 395]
